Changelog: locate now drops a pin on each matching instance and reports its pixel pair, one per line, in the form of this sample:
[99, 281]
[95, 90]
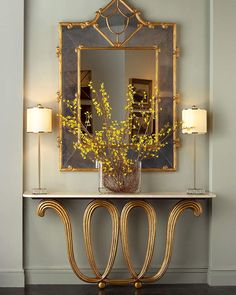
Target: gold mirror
[118, 48]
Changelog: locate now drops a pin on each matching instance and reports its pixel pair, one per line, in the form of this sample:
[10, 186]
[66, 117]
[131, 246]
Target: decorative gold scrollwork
[59, 96]
[58, 51]
[56, 206]
[178, 209]
[137, 279]
[59, 141]
[151, 214]
[113, 8]
[87, 235]
[177, 52]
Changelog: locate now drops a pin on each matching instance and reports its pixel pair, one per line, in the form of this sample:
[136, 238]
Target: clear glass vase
[120, 182]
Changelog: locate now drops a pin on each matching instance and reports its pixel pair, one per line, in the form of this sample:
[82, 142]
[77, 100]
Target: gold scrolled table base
[120, 230]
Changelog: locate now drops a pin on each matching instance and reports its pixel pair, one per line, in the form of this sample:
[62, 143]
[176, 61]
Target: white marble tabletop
[149, 195]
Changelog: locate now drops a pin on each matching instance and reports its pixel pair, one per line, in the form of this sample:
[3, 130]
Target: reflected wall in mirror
[117, 48]
[116, 69]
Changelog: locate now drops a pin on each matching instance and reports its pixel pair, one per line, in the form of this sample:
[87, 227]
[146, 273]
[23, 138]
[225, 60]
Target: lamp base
[39, 191]
[196, 191]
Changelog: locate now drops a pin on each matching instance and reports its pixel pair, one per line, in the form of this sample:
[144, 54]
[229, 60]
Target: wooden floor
[146, 290]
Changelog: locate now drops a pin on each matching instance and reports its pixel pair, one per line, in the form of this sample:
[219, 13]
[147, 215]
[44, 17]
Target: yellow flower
[111, 144]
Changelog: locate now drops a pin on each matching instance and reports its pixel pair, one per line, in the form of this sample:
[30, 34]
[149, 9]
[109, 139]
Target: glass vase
[119, 182]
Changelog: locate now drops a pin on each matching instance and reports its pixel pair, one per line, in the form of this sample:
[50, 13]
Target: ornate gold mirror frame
[101, 34]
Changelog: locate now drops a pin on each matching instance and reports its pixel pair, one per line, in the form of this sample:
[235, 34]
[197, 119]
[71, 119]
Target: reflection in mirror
[117, 69]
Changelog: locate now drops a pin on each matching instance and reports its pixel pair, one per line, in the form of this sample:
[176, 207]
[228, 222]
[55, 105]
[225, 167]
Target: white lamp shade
[39, 119]
[194, 121]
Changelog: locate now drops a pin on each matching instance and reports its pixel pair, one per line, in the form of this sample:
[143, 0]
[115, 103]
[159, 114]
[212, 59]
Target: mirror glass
[116, 69]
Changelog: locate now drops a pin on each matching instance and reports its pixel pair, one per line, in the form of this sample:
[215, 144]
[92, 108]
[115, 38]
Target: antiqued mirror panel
[118, 26]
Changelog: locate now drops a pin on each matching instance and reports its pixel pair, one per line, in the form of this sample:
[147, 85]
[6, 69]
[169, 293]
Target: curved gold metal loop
[91, 22]
[141, 20]
[110, 14]
[50, 204]
[178, 209]
[122, 31]
[87, 235]
[151, 214]
[122, 13]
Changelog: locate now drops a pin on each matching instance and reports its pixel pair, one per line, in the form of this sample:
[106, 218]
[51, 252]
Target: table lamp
[39, 120]
[194, 121]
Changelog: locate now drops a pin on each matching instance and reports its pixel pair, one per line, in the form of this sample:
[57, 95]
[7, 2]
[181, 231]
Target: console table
[120, 230]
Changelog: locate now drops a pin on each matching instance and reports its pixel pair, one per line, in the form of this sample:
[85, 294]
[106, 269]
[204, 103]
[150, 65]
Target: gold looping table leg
[136, 279]
[87, 236]
[178, 209]
[56, 206]
[151, 214]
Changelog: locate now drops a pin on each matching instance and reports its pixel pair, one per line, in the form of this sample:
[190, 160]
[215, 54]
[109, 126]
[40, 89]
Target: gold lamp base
[39, 191]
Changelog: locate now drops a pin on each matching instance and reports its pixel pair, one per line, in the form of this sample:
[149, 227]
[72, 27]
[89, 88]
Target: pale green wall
[11, 147]
[45, 254]
[44, 248]
[223, 141]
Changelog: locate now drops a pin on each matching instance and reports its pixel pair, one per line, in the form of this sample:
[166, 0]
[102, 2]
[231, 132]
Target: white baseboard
[66, 276]
[222, 277]
[12, 278]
